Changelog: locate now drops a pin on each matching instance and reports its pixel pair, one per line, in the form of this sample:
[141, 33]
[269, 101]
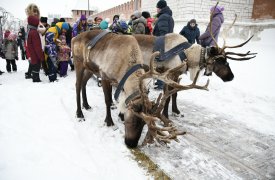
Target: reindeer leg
[107, 89]
[175, 109]
[166, 106]
[86, 77]
[79, 76]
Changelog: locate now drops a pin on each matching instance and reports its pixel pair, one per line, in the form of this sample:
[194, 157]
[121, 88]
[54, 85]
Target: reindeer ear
[213, 51]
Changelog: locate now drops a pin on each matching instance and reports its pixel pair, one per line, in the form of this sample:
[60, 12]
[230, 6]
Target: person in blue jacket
[191, 32]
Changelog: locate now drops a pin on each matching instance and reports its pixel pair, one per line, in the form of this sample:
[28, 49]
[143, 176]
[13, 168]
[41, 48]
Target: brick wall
[184, 10]
[127, 9]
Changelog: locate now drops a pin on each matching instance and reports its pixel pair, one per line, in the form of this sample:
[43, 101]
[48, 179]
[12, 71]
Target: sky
[17, 7]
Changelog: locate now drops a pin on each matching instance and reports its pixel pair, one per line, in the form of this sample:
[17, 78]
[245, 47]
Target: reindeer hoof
[177, 114]
[80, 116]
[87, 107]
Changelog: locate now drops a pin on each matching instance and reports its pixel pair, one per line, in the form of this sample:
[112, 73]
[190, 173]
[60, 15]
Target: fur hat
[43, 19]
[161, 4]
[83, 17]
[65, 26]
[137, 14]
[145, 14]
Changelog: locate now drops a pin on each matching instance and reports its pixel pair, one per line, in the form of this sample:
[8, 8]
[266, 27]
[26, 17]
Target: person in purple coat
[217, 21]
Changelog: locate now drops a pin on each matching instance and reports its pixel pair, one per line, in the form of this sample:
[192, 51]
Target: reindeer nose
[207, 74]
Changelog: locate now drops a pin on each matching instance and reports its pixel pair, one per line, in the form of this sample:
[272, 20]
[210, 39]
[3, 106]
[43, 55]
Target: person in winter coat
[31, 10]
[139, 23]
[69, 40]
[10, 50]
[217, 21]
[63, 56]
[115, 26]
[165, 21]
[164, 25]
[149, 22]
[97, 21]
[21, 42]
[52, 40]
[80, 25]
[191, 32]
[34, 47]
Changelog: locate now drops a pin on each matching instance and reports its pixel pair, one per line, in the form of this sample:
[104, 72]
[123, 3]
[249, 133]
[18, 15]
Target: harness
[159, 45]
[93, 41]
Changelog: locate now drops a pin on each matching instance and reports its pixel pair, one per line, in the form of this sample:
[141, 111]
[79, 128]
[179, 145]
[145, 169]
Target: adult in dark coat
[165, 21]
[164, 25]
[217, 21]
[191, 32]
[21, 42]
[34, 47]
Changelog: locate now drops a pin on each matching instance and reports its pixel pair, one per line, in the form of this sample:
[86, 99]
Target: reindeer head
[216, 60]
[143, 111]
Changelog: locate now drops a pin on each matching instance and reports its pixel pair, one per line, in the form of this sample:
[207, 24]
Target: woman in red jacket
[34, 47]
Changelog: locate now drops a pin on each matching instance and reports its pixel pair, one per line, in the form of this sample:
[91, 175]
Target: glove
[16, 57]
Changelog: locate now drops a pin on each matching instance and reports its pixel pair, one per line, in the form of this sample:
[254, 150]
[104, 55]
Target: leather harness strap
[159, 45]
[93, 41]
[125, 77]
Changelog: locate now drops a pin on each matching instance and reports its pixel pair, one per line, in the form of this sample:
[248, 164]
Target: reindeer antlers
[152, 110]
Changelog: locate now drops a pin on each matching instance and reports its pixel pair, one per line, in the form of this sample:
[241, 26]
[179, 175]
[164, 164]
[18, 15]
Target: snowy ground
[230, 128]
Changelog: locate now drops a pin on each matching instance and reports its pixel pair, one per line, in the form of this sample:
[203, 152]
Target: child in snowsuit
[10, 50]
[63, 56]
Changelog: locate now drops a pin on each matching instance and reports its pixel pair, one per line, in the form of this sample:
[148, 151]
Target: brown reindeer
[110, 59]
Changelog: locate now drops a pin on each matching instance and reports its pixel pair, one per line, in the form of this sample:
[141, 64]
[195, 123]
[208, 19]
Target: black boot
[28, 75]
[35, 73]
[72, 67]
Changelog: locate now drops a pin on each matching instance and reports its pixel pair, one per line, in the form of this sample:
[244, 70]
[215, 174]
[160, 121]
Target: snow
[41, 139]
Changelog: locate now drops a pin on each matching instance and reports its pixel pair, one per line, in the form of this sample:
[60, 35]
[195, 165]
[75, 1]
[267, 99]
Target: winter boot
[35, 73]
[72, 67]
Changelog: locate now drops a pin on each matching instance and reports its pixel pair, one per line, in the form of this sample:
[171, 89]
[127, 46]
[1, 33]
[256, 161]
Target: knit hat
[83, 17]
[218, 9]
[193, 21]
[137, 14]
[161, 4]
[65, 26]
[97, 18]
[103, 25]
[56, 20]
[62, 20]
[145, 14]
[12, 36]
[7, 33]
[43, 19]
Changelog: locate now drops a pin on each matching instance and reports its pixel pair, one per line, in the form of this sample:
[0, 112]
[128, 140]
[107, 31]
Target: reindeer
[212, 59]
[110, 59]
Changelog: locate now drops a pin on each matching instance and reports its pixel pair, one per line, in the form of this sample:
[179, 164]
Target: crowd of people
[47, 46]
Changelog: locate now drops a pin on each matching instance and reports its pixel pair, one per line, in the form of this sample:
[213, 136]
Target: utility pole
[88, 5]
